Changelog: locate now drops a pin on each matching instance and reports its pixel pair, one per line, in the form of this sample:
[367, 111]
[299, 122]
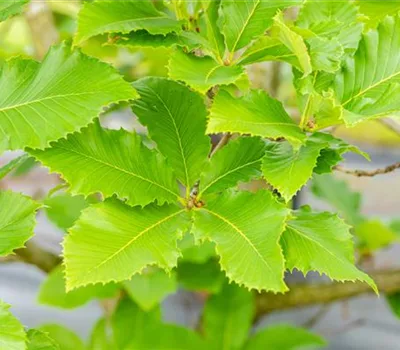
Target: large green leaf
[101, 17]
[111, 162]
[12, 335]
[43, 102]
[100, 338]
[176, 119]
[375, 11]
[11, 8]
[38, 340]
[17, 220]
[150, 288]
[240, 160]
[284, 337]
[368, 84]
[136, 329]
[338, 194]
[288, 169]
[64, 337]
[202, 73]
[53, 292]
[228, 318]
[246, 228]
[244, 21]
[328, 243]
[255, 113]
[112, 241]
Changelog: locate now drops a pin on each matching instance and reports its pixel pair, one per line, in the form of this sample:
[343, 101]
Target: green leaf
[64, 337]
[111, 162]
[64, 209]
[368, 84]
[12, 334]
[249, 223]
[293, 41]
[43, 102]
[11, 8]
[244, 21]
[330, 19]
[202, 73]
[255, 113]
[142, 38]
[100, 338]
[374, 235]
[196, 253]
[393, 301]
[228, 317]
[288, 169]
[101, 17]
[206, 276]
[112, 241]
[240, 160]
[338, 194]
[53, 292]
[38, 340]
[136, 329]
[10, 166]
[267, 48]
[150, 288]
[284, 337]
[325, 54]
[176, 120]
[210, 30]
[17, 220]
[328, 243]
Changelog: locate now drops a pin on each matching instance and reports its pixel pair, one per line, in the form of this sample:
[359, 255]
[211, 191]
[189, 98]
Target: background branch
[369, 173]
[35, 255]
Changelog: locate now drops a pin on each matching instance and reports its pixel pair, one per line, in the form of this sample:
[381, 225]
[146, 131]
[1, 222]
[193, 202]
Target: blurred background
[365, 322]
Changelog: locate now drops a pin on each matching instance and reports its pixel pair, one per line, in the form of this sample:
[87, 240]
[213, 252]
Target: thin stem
[368, 173]
[224, 140]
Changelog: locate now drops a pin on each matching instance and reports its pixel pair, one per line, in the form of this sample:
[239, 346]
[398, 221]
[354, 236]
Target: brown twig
[224, 140]
[368, 173]
[388, 282]
[34, 255]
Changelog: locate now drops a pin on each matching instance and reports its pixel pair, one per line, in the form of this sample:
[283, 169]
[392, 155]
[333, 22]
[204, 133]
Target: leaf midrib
[117, 168]
[241, 234]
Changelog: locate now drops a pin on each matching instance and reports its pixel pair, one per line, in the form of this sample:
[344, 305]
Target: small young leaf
[6, 169]
[111, 162]
[64, 209]
[38, 340]
[374, 234]
[283, 337]
[252, 225]
[256, 113]
[101, 17]
[202, 73]
[17, 221]
[150, 288]
[240, 160]
[228, 317]
[40, 103]
[53, 292]
[100, 339]
[288, 169]
[112, 241]
[12, 334]
[64, 337]
[176, 119]
[328, 244]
